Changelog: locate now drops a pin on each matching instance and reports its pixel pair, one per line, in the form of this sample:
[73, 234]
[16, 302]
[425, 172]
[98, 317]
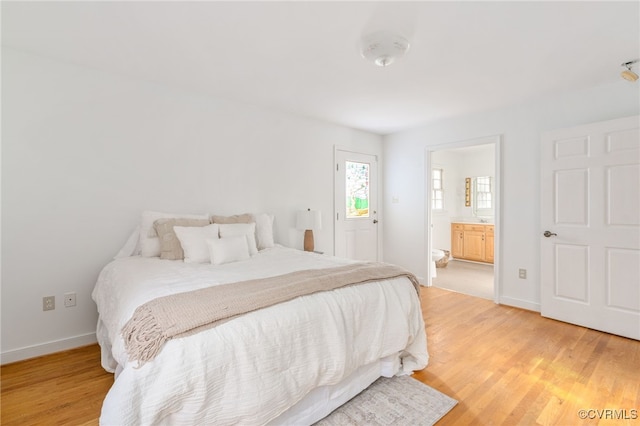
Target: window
[357, 189]
[437, 194]
[482, 196]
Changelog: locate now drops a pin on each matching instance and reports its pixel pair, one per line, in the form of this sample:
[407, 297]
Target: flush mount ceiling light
[383, 48]
[628, 74]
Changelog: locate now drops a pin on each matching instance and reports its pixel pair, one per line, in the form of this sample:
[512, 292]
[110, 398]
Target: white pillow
[193, 240]
[235, 229]
[264, 230]
[131, 247]
[149, 242]
[230, 249]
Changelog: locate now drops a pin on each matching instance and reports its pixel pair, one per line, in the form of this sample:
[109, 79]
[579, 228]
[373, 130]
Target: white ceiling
[302, 57]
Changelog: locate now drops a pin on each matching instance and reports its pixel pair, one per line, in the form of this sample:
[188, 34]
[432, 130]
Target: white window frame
[437, 189]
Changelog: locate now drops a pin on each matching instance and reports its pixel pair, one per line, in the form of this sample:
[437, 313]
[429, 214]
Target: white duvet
[252, 368]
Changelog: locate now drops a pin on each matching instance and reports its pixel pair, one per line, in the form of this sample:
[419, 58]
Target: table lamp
[308, 221]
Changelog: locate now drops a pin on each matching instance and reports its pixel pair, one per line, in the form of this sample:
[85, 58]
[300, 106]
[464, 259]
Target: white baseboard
[47, 348]
[518, 303]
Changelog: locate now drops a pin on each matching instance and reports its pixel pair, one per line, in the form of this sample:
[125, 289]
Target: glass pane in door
[357, 189]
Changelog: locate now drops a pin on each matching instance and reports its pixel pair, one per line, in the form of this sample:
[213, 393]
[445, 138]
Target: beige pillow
[148, 242]
[170, 247]
[237, 218]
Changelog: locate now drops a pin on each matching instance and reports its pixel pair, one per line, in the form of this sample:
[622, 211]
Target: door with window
[590, 217]
[356, 197]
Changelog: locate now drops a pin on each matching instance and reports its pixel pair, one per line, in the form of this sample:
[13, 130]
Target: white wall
[441, 220]
[521, 126]
[84, 152]
[458, 164]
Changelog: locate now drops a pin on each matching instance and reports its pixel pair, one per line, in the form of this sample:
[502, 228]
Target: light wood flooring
[504, 365]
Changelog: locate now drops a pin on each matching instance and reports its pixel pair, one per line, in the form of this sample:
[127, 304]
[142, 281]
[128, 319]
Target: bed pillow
[149, 242]
[236, 229]
[132, 246]
[264, 230]
[230, 249]
[237, 218]
[193, 240]
[170, 247]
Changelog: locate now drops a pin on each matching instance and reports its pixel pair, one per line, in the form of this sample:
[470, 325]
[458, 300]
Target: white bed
[292, 363]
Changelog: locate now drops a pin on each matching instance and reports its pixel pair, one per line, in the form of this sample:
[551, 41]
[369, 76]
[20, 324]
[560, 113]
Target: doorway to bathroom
[463, 216]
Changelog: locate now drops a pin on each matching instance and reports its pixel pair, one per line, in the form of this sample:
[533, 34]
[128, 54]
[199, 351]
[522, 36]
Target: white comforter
[250, 369]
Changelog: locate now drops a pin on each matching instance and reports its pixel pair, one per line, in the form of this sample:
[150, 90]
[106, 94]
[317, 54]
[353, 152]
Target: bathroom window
[482, 196]
[437, 195]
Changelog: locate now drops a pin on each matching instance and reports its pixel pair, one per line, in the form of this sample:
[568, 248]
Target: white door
[590, 248]
[356, 197]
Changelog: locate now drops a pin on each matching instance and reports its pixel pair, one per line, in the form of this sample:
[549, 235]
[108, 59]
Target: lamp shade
[309, 219]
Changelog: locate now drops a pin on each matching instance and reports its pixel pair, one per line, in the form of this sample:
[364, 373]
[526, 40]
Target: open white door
[590, 248]
[356, 198]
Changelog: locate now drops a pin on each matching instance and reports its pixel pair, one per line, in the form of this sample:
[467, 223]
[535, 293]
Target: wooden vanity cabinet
[472, 241]
[488, 247]
[457, 240]
[474, 247]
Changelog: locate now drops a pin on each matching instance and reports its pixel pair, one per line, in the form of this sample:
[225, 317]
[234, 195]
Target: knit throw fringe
[143, 335]
[159, 320]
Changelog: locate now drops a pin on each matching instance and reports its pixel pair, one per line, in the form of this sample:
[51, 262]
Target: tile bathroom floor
[470, 278]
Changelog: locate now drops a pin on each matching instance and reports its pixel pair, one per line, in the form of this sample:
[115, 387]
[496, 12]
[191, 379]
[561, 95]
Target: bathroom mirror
[482, 196]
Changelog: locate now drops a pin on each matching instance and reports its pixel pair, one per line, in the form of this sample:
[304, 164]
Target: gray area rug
[396, 401]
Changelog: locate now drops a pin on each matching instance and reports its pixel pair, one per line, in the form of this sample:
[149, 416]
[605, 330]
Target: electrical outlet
[48, 303]
[522, 273]
[69, 299]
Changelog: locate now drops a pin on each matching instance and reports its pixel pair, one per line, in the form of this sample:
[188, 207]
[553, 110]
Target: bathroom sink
[472, 220]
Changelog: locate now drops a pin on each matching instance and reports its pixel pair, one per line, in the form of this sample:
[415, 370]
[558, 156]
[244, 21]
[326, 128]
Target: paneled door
[590, 217]
[356, 197]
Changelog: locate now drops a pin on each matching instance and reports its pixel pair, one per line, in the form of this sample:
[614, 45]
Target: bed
[289, 363]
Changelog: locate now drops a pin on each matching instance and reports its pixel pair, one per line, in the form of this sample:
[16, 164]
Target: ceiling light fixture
[628, 74]
[383, 48]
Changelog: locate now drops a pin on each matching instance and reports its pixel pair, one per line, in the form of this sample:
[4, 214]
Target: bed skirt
[320, 402]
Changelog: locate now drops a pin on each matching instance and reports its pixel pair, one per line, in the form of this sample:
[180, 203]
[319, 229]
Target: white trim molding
[518, 303]
[47, 348]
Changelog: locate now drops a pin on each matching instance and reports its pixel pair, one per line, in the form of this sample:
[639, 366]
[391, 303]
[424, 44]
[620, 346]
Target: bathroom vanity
[472, 241]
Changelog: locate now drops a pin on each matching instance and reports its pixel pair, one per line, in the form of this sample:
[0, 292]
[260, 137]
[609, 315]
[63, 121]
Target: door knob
[375, 220]
[549, 234]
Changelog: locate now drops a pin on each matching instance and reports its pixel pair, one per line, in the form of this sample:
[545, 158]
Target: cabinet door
[474, 245]
[457, 243]
[488, 247]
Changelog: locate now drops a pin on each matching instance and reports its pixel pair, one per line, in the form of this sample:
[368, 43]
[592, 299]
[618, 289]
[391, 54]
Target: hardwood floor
[65, 388]
[504, 365]
[511, 366]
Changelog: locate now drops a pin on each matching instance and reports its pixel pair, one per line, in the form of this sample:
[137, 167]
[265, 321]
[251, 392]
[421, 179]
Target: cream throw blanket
[178, 315]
